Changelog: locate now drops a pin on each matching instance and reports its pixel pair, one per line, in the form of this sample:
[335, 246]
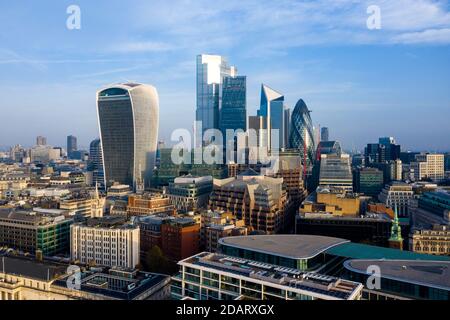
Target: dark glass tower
[95, 164]
[233, 115]
[302, 133]
[128, 117]
[71, 145]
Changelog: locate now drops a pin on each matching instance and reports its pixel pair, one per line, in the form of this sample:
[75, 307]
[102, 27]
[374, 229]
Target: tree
[155, 260]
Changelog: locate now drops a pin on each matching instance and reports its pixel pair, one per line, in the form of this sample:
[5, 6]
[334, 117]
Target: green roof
[364, 251]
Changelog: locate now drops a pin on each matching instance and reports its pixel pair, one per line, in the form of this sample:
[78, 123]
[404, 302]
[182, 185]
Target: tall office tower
[324, 134]
[41, 141]
[71, 145]
[233, 114]
[287, 126]
[272, 107]
[95, 163]
[392, 149]
[335, 171]
[128, 116]
[211, 71]
[302, 132]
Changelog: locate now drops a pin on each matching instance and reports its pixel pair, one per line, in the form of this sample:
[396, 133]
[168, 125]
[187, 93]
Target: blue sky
[360, 83]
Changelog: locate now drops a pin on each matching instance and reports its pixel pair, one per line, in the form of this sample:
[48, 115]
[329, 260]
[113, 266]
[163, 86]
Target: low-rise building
[212, 276]
[332, 200]
[33, 232]
[28, 279]
[431, 241]
[180, 238]
[149, 203]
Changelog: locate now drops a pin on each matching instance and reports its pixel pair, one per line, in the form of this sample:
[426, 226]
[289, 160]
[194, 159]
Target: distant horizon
[361, 83]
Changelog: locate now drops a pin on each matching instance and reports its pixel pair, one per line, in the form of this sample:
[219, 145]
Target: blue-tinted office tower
[272, 107]
[128, 116]
[302, 132]
[233, 114]
[211, 72]
[324, 134]
[95, 163]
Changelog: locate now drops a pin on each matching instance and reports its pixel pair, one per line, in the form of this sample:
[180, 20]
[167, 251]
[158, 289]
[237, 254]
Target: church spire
[396, 240]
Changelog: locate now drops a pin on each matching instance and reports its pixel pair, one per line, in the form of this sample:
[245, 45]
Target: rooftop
[363, 251]
[288, 246]
[325, 287]
[429, 273]
[30, 268]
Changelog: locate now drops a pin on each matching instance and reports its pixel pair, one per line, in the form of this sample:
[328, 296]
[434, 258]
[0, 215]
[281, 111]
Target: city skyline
[343, 75]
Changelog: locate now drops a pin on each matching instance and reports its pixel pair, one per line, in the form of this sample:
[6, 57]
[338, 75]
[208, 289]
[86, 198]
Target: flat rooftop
[363, 251]
[288, 246]
[30, 268]
[428, 273]
[321, 286]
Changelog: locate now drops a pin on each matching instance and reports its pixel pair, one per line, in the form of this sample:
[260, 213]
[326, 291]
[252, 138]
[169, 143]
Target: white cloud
[142, 47]
[436, 36]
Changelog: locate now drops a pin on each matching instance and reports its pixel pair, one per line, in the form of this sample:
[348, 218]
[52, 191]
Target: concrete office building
[189, 193]
[428, 166]
[33, 232]
[258, 200]
[335, 171]
[107, 241]
[397, 195]
[149, 203]
[128, 117]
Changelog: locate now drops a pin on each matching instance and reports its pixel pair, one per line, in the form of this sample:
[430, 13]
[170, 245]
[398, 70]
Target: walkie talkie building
[128, 117]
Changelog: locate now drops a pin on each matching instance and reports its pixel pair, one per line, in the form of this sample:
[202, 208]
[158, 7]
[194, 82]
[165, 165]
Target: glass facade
[211, 70]
[273, 110]
[128, 118]
[233, 115]
[302, 132]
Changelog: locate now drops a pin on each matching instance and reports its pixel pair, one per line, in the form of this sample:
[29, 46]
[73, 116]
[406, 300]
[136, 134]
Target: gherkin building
[302, 132]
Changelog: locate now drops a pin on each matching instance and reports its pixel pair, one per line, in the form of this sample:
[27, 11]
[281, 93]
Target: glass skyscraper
[211, 71]
[71, 145]
[128, 116]
[324, 134]
[233, 114]
[272, 108]
[302, 132]
[95, 164]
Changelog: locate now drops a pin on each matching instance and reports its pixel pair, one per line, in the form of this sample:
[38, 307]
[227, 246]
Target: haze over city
[320, 51]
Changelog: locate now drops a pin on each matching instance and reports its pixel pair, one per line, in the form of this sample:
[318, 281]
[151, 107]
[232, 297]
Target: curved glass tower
[128, 117]
[302, 133]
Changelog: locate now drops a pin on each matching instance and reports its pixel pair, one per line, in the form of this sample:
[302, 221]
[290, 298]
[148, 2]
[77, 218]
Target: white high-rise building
[428, 166]
[107, 241]
[128, 117]
[211, 71]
